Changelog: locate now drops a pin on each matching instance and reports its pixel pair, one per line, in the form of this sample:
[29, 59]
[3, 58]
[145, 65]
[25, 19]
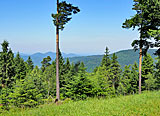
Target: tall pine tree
[64, 10]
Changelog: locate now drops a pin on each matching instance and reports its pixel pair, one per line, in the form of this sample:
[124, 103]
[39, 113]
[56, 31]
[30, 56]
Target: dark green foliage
[157, 73]
[79, 86]
[134, 78]
[104, 84]
[20, 68]
[65, 10]
[105, 60]
[108, 75]
[147, 18]
[45, 63]
[147, 68]
[6, 66]
[4, 98]
[124, 84]
[150, 82]
[49, 76]
[152, 15]
[7, 73]
[129, 80]
[115, 71]
[67, 65]
[30, 64]
[30, 92]
[62, 70]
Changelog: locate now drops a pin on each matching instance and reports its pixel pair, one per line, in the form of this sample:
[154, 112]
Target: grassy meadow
[146, 104]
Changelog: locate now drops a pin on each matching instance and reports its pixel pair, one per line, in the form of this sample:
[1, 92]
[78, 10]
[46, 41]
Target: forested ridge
[125, 57]
[26, 85]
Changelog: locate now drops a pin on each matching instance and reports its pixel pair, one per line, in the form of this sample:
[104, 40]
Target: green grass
[146, 104]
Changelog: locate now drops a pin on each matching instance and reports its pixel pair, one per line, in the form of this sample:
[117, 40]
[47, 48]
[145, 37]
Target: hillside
[146, 104]
[125, 57]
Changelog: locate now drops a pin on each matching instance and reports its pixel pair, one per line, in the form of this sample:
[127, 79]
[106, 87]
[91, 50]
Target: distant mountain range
[38, 57]
[125, 57]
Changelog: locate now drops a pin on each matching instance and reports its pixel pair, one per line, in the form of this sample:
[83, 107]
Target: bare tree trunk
[57, 58]
[140, 68]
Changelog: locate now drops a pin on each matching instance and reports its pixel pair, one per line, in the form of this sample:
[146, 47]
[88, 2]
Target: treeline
[26, 85]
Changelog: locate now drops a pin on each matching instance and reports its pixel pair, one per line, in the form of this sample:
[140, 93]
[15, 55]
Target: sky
[27, 25]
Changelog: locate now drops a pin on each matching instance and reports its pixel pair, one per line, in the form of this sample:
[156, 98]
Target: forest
[24, 85]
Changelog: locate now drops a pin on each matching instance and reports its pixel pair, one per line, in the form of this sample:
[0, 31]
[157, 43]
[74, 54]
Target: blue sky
[28, 26]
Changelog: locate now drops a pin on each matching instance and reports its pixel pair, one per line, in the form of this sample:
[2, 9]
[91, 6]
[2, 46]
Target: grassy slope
[146, 104]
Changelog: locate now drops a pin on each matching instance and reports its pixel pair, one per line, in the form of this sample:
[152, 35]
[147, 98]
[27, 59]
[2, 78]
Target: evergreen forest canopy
[26, 85]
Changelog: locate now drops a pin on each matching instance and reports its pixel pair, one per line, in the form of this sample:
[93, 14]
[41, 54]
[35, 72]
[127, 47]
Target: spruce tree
[49, 76]
[147, 68]
[157, 73]
[30, 64]
[104, 87]
[7, 73]
[115, 71]
[67, 66]
[106, 60]
[125, 85]
[30, 92]
[7, 69]
[79, 87]
[150, 82]
[134, 78]
[20, 67]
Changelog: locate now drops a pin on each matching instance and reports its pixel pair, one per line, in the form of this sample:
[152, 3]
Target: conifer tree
[152, 15]
[7, 72]
[30, 64]
[67, 66]
[125, 85]
[50, 79]
[20, 67]
[45, 63]
[105, 60]
[150, 82]
[64, 10]
[79, 87]
[144, 23]
[104, 87]
[30, 92]
[157, 73]
[115, 71]
[134, 78]
[147, 68]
